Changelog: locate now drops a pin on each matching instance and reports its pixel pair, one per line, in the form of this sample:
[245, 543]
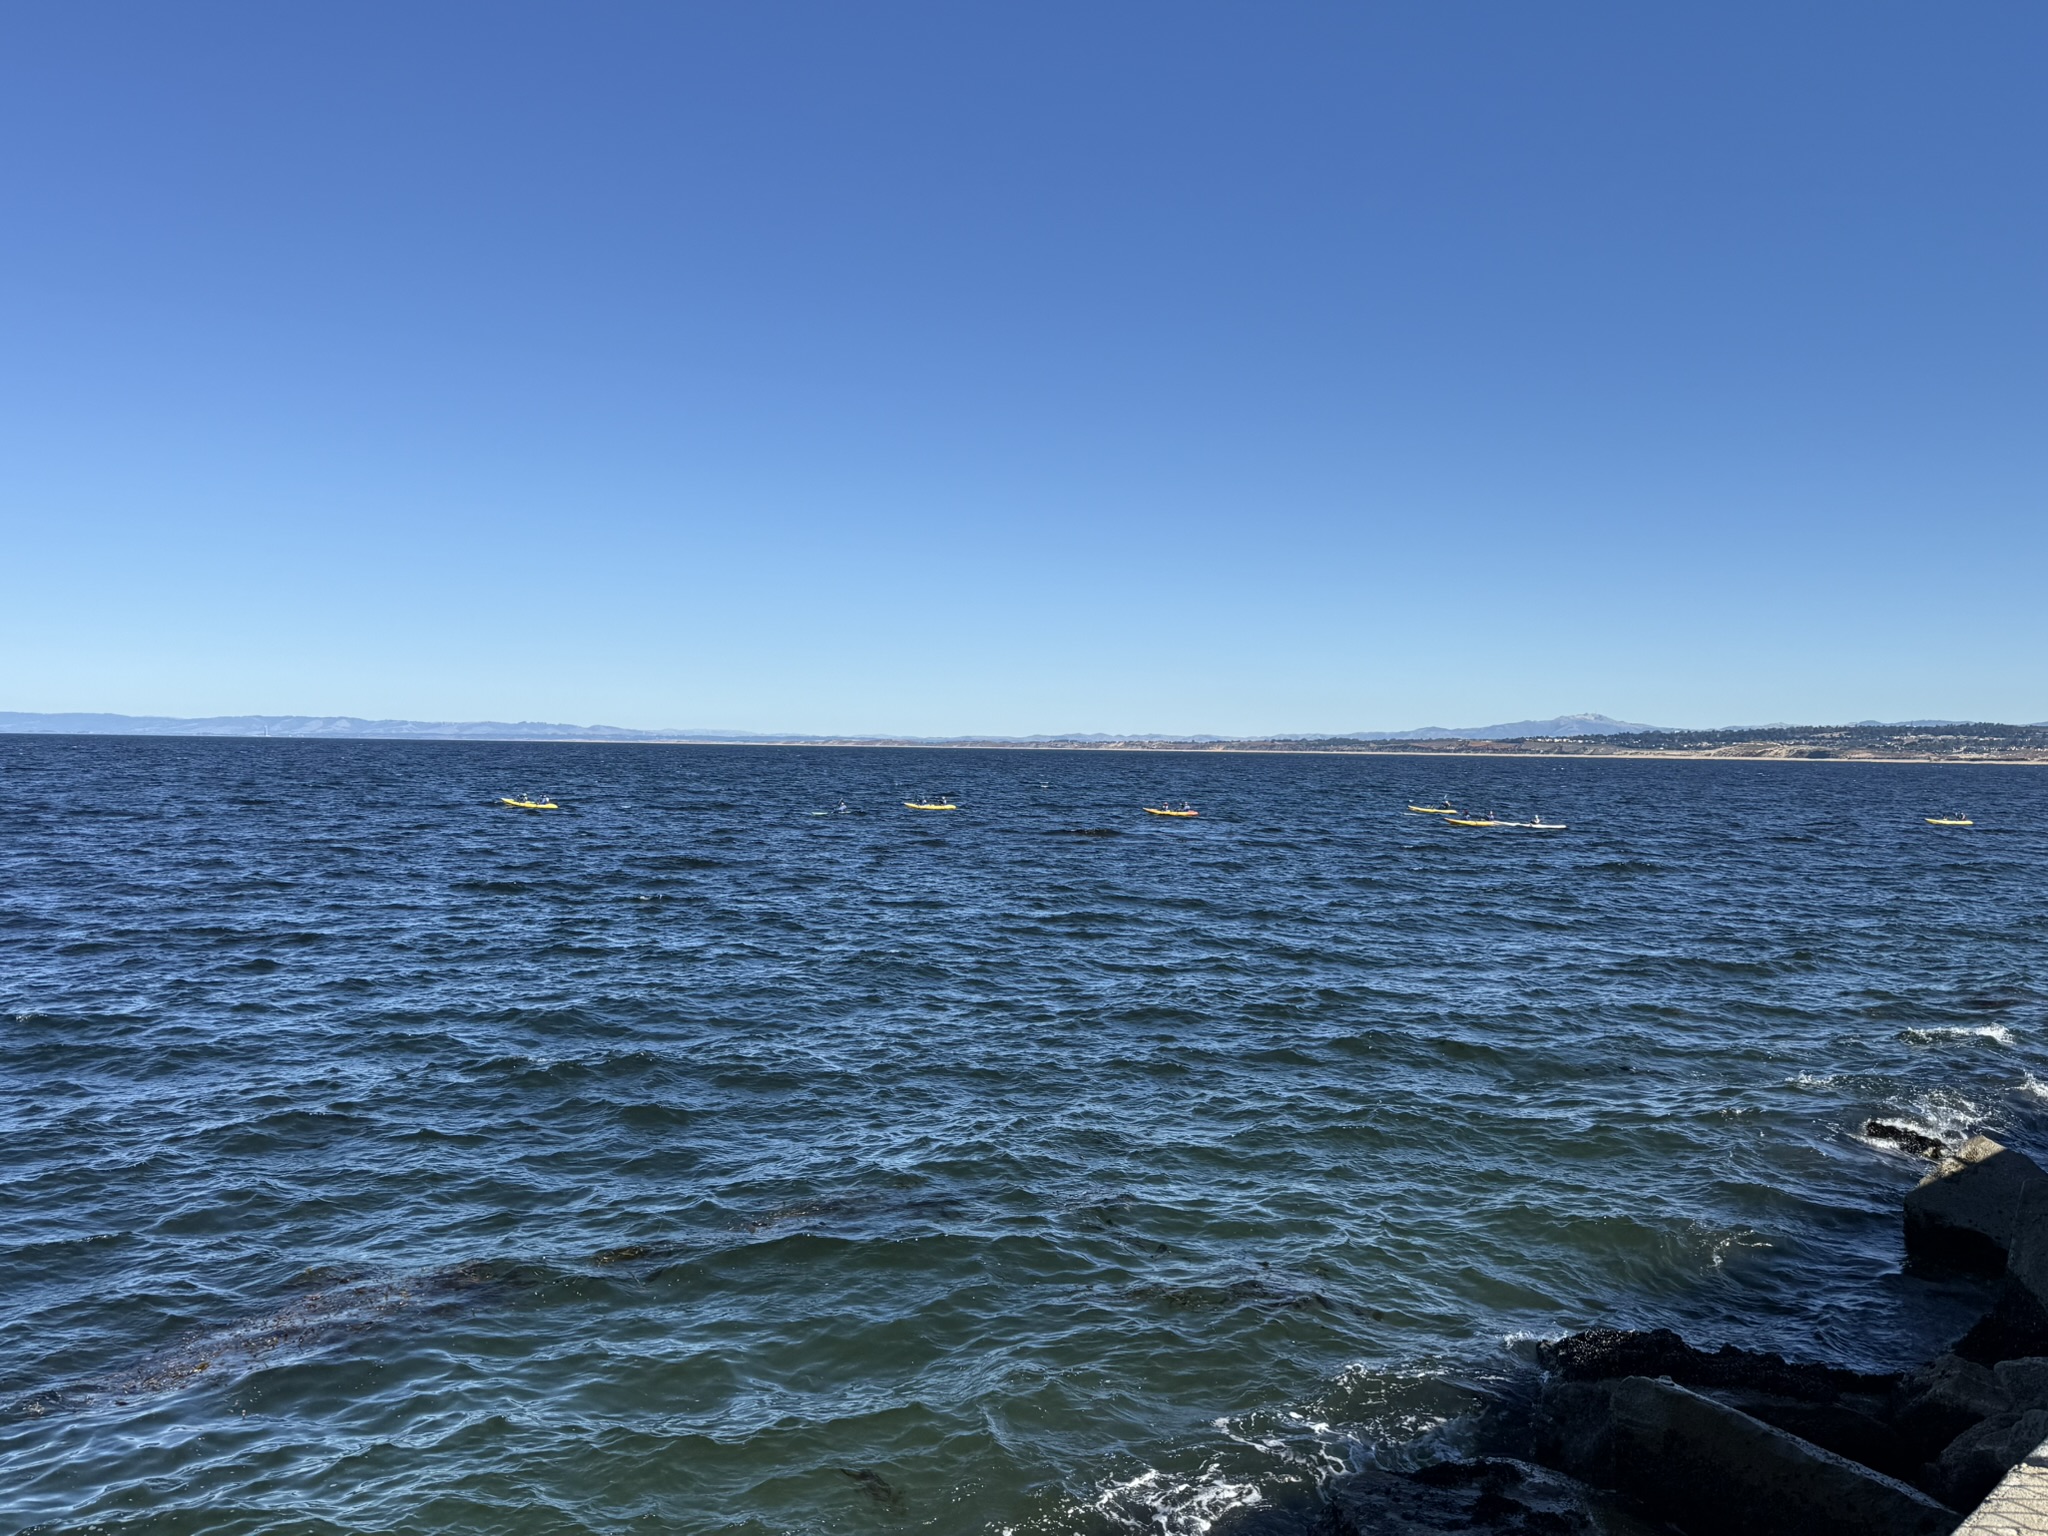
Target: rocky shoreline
[1642, 1434]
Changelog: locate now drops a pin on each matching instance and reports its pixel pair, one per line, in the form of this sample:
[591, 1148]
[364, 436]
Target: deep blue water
[381, 1159]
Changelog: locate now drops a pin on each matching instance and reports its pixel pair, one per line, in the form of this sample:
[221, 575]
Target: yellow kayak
[530, 805]
[930, 805]
[1472, 821]
[1950, 821]
[1154, 810]
[1434, 810]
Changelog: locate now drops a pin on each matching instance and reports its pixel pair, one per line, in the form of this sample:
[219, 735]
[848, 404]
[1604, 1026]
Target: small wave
[1398, 1417]
[1997, 1034]
[1943, 1113]
[1719, 1247]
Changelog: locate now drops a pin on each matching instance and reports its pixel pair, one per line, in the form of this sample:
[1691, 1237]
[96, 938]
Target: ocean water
[380, 1159]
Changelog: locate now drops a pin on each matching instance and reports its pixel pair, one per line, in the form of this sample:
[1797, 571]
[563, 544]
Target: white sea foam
[1297, 1441]
[1157, 1502]
[1998, 1034]
[1299, 1447]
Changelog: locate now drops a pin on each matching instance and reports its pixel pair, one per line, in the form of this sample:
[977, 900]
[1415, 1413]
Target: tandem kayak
[529, 805]
[1159, 810]
[1446, 809]
[930, 805]
[1950, 821]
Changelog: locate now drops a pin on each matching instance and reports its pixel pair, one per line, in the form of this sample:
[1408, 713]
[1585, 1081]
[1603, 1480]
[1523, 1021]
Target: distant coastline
[2037, 757]
[1968, 743]
[1566, 736]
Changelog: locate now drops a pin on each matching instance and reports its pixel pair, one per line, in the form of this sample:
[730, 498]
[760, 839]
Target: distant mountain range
[350, 727]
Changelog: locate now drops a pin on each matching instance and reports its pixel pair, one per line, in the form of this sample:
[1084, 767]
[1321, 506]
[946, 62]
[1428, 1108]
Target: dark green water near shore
[380, 1159]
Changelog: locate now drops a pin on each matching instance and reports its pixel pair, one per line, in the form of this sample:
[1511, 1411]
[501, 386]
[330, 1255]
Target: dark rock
[1601, 1354]
[1905, 1138]
[2027, 1251]
[1573, 1429]
[1943, 1398]
[2024, 1382]
[1976, 1459]
[1496, 1495]
[1843, 1411]
[2016, 1327]
[1857, 1426]
[1964, 1214]
[1714, 1471]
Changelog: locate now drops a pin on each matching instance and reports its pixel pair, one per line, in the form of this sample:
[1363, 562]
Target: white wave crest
[1998, 1034]
[1164, 1505]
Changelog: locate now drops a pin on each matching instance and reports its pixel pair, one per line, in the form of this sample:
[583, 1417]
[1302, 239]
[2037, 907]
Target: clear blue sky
[955, 367]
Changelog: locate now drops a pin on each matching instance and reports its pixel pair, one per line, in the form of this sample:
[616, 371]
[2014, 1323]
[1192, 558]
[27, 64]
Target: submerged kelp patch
[338, 1307]
[874, 1485]
[1237, 1293]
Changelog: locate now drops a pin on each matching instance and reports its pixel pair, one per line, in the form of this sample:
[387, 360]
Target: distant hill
[1562, 725]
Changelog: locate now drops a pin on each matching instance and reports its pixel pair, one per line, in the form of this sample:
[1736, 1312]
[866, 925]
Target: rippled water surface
[381, 1159]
